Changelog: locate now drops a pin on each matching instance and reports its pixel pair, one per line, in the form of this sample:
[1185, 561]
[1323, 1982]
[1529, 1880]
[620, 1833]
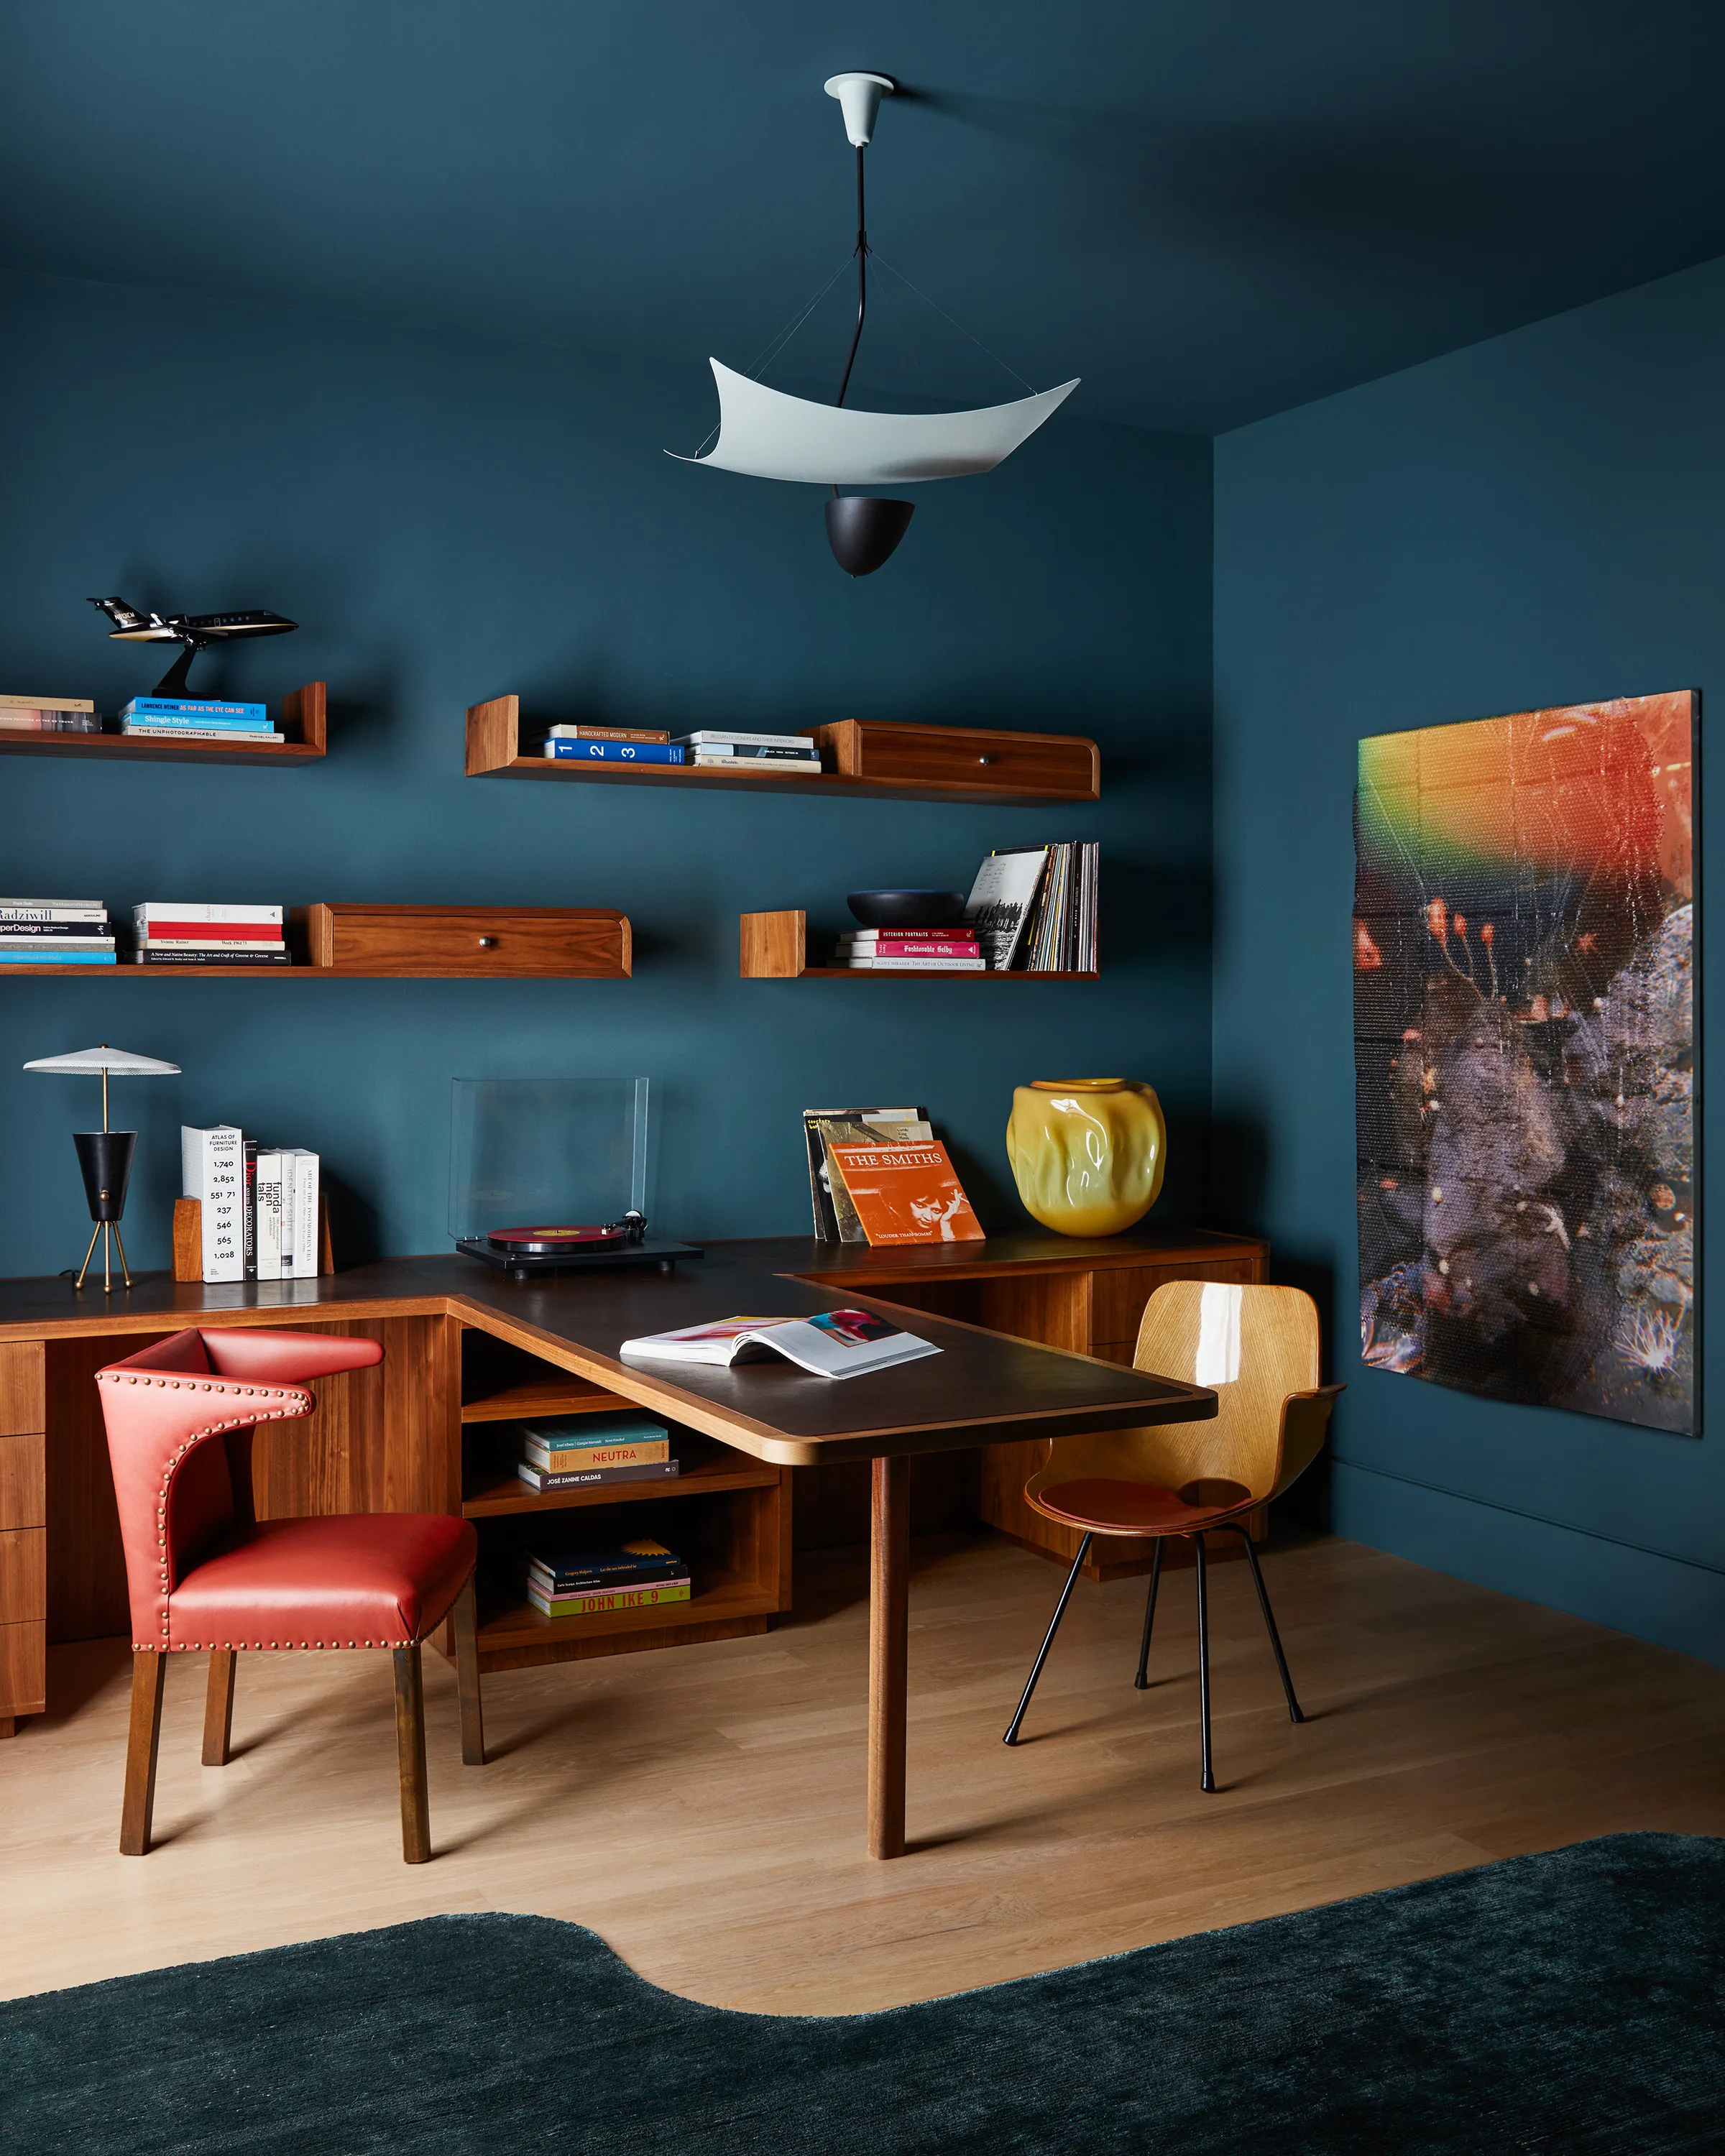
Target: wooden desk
[395, 1444]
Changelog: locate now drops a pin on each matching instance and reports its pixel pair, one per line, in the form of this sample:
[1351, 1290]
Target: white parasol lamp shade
[105, 1155]
[118, 1062]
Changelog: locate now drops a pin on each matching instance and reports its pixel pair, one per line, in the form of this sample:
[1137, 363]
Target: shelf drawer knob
[488, 943]
[985, 759]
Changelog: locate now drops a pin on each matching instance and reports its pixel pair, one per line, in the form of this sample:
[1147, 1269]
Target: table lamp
[105, 1155]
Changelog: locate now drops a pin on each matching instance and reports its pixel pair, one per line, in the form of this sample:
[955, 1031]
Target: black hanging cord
[862, 279]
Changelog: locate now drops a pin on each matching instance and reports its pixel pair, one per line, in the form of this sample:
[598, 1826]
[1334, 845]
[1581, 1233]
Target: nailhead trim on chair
[302, 1403]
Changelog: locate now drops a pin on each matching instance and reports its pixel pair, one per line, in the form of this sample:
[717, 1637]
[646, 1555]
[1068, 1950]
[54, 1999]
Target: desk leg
[888, 1615]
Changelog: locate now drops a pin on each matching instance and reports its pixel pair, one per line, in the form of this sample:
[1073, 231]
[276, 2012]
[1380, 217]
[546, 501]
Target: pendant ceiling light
[766, 434]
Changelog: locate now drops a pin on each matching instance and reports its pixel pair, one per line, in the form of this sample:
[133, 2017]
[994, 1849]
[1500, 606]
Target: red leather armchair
[204, 1576]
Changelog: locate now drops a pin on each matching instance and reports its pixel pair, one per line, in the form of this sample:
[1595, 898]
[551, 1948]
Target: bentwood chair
[204, 1576]
[1257, 1347]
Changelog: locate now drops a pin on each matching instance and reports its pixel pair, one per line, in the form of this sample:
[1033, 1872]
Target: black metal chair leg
[1209, 1780]
[1281, 1660]
[1012, 1734]
[1141, 1681]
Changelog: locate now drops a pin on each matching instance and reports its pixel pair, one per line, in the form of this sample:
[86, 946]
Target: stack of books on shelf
[611, 745]
[586, 1582]
[196, 718]
[573, 1452]
[260, 1217]
[56, 931]
[172, 932]
[769, 756]
[1034, 909]
[48, 714]
[884, 951]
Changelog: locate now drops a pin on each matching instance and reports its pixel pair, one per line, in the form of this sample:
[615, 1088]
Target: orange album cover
[906, 1193]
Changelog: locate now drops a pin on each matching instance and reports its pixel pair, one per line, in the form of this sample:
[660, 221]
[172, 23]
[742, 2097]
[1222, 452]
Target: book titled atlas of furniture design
[258, 1204]
[833, 1343]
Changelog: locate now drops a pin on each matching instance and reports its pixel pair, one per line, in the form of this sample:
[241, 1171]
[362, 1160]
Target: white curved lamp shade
[117, 1062]
[766, 434]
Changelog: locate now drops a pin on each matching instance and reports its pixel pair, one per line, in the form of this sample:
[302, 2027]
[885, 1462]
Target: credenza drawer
[23, 1574]
[24, 1481]
[22, 1386]
[962, 759]
[23, 1668]
[506, 941]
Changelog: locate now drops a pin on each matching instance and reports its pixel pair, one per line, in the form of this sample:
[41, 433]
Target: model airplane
[194, 632]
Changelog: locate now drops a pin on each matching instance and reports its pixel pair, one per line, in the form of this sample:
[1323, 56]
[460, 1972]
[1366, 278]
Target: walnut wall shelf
[414, 943]
[302, 720]
[774, 946]
[864, 759]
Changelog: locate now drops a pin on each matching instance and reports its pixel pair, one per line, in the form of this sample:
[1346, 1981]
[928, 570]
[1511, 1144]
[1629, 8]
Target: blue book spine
[598, 751]
[179, 711]
[56, 954]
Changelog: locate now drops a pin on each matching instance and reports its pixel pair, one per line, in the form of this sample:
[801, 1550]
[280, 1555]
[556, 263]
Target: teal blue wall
[1535, 521]
[451, 518]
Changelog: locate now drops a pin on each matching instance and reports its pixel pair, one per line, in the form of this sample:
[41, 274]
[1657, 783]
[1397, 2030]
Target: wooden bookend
[494, 735]
[189, 1239]
[303, 715]
[772, 947]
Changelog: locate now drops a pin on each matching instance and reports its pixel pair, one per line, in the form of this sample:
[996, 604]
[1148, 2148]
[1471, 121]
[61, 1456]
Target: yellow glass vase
[1087, 1154]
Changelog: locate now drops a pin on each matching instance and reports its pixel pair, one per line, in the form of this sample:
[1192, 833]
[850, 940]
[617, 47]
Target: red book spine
[918, 946]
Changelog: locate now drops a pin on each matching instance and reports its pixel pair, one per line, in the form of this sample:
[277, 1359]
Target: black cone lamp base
[105, 1162]
[862, 530]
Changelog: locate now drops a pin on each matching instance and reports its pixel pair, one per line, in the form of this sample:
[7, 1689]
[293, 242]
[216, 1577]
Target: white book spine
[212, 1171]
[306, 1234]
[269, 1208]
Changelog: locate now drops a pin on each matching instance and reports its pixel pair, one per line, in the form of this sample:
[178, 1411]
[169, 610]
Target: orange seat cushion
[1141, 1508]
[354, 1579]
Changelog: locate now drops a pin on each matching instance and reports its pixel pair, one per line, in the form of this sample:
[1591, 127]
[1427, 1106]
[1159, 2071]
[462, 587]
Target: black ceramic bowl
[907, 909]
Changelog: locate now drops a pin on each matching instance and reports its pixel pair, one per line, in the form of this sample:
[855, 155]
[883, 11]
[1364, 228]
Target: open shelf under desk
[515, 1635]
[541, 1396]
[490, 1487]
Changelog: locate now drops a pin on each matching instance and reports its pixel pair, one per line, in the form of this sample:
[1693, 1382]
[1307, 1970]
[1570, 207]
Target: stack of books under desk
[572, 1584]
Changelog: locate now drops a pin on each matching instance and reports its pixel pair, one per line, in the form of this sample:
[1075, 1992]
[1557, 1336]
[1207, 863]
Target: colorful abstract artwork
[1524, 954]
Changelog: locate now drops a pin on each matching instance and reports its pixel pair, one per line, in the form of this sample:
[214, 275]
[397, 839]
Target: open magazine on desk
[834, 1343]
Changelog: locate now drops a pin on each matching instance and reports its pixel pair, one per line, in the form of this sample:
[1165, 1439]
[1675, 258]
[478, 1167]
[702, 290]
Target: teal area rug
[1567, 2005]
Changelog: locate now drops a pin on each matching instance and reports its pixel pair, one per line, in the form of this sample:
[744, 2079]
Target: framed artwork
[1524, 966]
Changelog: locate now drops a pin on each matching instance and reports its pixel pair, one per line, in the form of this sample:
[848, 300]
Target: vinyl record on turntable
[548, 1242]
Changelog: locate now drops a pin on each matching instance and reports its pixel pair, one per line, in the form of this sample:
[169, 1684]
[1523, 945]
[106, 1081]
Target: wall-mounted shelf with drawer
[774, 946]
[302, 720]
[413, 943]
[864, 759]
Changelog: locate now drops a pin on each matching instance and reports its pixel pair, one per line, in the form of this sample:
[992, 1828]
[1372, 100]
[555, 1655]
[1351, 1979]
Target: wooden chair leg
[410, 1749]
[149, 1670]
[219, 1707]
[467, 1677]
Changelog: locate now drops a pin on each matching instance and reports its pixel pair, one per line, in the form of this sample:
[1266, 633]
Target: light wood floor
[701, 1809]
